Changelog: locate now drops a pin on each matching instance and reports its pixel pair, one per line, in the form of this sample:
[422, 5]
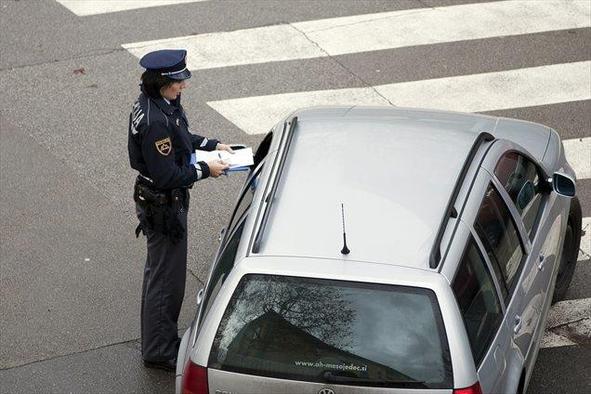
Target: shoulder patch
[136, 116]
[164, 146]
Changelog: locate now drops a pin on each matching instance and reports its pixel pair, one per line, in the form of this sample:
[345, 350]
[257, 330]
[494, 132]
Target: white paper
[240, 158]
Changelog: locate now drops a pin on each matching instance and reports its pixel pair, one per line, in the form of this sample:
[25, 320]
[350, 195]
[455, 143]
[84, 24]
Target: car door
[525, 190]
[479, 299]
[506, 251]
[497, 239]
[510, 213]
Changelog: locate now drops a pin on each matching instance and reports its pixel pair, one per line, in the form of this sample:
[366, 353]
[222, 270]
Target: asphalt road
[71, 267]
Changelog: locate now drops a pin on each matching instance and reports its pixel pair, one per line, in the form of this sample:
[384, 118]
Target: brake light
[474, 389]
[194, 379]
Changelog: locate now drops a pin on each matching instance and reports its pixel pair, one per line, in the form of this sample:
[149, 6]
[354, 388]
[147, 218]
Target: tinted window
[222, 269]
[333, 332]
[478, 301]
[500, 238]
[263, 149]
[520, 177]
[245, 199]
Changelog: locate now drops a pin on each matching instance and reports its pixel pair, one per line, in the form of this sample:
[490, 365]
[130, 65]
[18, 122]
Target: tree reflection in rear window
[333, 332]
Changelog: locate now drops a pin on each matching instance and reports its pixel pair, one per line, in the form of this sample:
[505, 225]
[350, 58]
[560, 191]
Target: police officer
[160, 149]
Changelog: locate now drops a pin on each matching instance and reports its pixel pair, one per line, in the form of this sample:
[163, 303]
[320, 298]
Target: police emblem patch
[164, 146]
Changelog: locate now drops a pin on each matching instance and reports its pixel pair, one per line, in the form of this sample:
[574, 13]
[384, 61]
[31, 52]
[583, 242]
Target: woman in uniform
[161, 149]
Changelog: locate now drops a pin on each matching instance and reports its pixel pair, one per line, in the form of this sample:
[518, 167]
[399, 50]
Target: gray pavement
[70, 262]
[115, 368]
[562, 370]
[70, 266]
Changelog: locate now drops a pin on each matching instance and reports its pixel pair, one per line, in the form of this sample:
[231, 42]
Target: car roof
[393, 171]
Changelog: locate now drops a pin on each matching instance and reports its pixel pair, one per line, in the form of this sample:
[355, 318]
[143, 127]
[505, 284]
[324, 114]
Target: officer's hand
[224, 147]
[217, 167]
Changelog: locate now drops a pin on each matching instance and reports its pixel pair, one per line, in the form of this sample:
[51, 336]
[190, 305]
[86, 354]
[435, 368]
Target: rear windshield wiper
[330, 377]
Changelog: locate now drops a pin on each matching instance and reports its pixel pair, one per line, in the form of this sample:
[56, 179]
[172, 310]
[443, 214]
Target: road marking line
[569, 323]
[93, 7]
[585, 248]
[524, 87]
[372, 32]
[257, 114]
[578, 154]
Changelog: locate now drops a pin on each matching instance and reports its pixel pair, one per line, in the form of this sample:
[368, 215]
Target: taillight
[194, 379]
[474, 389]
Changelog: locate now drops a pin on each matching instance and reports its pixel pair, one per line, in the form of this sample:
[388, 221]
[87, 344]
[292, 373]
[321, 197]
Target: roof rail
[287, 137]
[450, 211]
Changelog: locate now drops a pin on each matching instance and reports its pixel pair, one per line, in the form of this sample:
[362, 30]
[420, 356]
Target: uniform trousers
[163, 291]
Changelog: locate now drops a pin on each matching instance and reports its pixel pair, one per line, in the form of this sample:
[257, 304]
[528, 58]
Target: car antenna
[345, 249]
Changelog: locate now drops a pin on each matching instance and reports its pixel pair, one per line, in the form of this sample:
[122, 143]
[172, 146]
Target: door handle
[221, 234]
[200, 296]
[541, 262]
[517, 325]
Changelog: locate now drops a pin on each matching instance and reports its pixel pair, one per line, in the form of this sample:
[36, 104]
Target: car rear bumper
[180, 360]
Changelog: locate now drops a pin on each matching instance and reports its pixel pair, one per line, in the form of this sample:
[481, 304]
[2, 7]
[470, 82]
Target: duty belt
[145, 193]
[148, 195]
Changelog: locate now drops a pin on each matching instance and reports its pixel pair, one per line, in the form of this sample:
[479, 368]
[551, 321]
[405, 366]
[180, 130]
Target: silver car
[387, 250]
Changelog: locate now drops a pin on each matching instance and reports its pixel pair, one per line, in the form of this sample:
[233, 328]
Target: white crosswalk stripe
[578, 153]
[94, 7]
[552, 84]
[585, 249]
[371, 32]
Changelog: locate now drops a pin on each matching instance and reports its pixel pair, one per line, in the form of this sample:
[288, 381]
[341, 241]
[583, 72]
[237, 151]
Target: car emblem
[326, 390]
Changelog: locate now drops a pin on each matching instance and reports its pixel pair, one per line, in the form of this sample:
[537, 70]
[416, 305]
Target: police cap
[168, 62]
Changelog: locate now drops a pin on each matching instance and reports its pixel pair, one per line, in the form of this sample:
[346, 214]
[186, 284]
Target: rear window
[333, 332]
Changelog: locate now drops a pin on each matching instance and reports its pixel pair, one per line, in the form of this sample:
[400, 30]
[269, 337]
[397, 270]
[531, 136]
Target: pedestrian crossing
[373, 32]
[523, 86]
[552, 84]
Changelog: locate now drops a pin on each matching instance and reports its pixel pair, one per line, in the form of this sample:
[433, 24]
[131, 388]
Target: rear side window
[222, 269]
[263, 149]
[499, 235]
[333, 332]
[245, 199]
[478, 301]
[520, 178]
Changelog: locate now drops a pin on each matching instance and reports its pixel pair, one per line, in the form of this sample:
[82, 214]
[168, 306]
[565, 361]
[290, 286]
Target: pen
[225, 172]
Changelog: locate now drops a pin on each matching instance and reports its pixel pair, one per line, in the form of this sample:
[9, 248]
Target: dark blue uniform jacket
[160, 144]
